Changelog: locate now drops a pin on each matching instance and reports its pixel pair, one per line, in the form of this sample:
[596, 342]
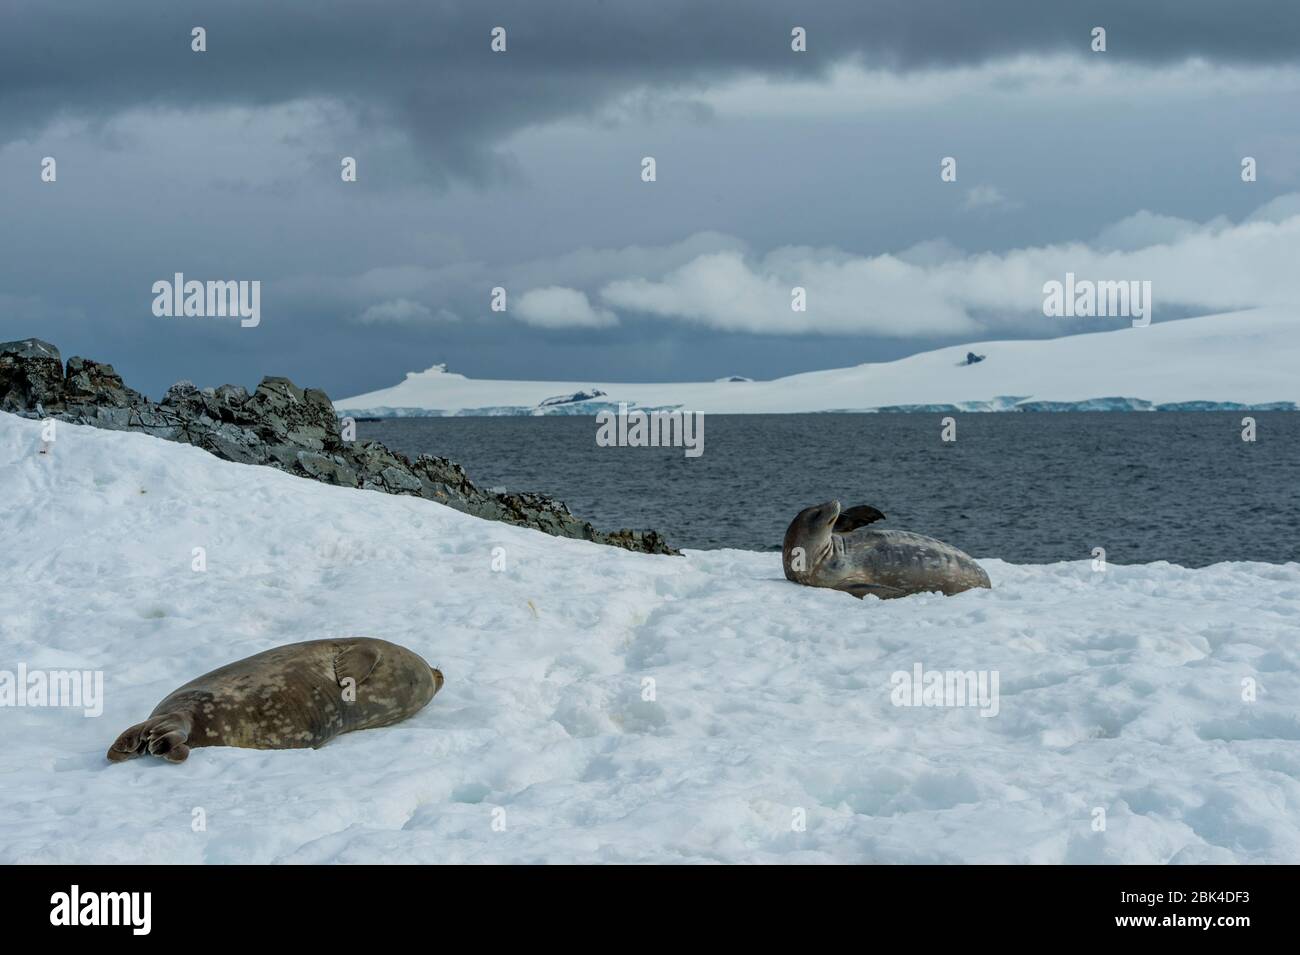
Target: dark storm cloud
[425, 66]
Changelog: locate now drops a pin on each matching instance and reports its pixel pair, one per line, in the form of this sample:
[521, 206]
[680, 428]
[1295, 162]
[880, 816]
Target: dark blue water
[1029, 488]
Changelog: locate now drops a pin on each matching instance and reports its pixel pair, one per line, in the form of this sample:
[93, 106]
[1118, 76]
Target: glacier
[1237, 361]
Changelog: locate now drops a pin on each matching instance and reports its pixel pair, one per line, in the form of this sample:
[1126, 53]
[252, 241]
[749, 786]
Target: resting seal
[291, 697]
[826, 548]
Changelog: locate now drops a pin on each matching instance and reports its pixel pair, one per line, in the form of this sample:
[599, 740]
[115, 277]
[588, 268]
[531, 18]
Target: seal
[827, 547]
[291, 697]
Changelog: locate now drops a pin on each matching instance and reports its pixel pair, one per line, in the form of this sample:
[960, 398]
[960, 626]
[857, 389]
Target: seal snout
[437, 679]
[829, 511]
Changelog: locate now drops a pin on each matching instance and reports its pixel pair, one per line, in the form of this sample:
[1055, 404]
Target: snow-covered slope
[1242, 358]
[1119, 691]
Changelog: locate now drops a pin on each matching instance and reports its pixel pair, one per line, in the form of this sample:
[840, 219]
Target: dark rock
[331, 469]
[231, 395]
[281, 410]
[576, 397]
[31, 373]
[109, 418]
[91, 383]
[398, 479]
[181, 393]
[234, 443]
[279, 425]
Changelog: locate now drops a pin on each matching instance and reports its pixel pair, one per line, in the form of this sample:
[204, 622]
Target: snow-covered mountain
[1238, 359]
[772, 703]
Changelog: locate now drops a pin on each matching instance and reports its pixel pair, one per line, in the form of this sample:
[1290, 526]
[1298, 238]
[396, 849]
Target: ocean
[1029, 488]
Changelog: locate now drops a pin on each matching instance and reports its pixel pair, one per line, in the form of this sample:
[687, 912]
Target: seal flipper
[164, 735]
[856, 517]
[877, 590]
[170, 746]
[355, 662]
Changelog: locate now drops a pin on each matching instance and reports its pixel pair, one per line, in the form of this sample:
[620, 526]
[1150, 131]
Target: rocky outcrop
[31, 375]
[279, 425]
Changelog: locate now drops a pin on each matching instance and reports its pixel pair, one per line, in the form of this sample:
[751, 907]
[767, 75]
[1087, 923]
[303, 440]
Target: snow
[1119, 691]
[1249, 357]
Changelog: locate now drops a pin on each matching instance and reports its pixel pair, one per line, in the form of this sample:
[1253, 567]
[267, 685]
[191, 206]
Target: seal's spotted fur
[295, 696]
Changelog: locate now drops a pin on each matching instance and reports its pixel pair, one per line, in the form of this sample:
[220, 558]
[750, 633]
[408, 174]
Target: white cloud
[1144, 229]
[403, 311]
[463, 284]
[724, 291]
[559, 307]
[938, 291]
[1278, 209]
[931, 252]
[932, 288]
[849, 88]
[986, 197]
[587, 266]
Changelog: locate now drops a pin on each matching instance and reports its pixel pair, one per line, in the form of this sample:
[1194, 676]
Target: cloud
[402, 311]
[1278, 209]
[928, 290]
[986, 197]
[931, 252]
[463, 286]
[559, 307]
[757, 143]
[1144, 229]
[726, 292]
[426, 68]
[933, 291]
[851, 87]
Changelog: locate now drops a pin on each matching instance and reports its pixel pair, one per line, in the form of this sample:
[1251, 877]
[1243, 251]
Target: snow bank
[1250, 357]
[1119, 691]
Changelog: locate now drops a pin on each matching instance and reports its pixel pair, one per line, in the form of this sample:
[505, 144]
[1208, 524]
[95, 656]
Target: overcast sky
[522, 169]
